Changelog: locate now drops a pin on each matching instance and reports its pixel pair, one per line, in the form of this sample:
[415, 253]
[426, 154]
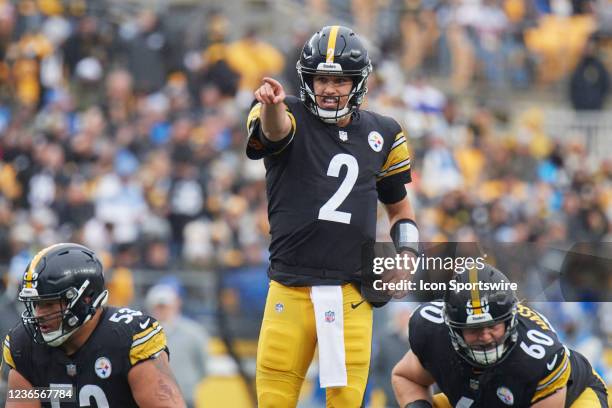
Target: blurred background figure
[590, 82]
[187, 340]
[391, 346]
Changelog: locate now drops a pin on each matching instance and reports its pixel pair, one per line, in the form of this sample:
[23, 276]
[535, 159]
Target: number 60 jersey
[537, 366]
[323, 182]
[98, 370]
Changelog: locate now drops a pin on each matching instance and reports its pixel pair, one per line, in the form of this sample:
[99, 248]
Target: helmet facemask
[355, 96]
[485, 356]
[74, 311]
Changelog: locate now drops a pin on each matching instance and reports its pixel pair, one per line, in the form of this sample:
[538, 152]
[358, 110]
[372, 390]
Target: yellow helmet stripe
[474, 292]
[331, 44]
[34, 263]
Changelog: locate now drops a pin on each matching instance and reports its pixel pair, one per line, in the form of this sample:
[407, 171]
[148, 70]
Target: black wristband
[405, 235]
[419, 404]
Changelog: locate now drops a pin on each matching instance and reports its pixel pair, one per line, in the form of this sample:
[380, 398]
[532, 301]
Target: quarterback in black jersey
[108, 357]
[327, 163]
[484, 350]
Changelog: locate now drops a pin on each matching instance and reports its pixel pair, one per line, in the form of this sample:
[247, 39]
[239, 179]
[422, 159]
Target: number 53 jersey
[98, 370]
[323, 182]
[537, 366]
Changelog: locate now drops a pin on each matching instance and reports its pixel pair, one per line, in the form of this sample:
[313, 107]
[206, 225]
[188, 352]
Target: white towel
[329, 319]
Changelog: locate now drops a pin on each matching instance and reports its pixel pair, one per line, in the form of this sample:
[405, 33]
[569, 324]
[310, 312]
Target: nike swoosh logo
[145, 324]
[356, 305]
[551, 365]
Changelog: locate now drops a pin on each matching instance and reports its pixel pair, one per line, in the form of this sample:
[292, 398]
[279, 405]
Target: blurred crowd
[500, 43]
[125, 131]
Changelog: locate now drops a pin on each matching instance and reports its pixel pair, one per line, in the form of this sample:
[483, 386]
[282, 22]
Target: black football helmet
[334, 50]
[71, 274]
[476, 308]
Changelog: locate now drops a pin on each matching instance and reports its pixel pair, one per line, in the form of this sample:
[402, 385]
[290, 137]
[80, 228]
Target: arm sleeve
[258, 146]
[395, 172]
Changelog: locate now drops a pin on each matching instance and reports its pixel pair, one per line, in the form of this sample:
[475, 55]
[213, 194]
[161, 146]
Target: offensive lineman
[327, 163]
[485, 349]
[110, 357]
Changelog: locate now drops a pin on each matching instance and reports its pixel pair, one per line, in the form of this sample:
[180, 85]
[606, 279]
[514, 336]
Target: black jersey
[323, 182]
[98, 371]
[537, 366]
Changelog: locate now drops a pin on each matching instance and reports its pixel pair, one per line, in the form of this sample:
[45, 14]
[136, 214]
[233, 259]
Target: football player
[485, 349]
[327, 163]
[110, 357]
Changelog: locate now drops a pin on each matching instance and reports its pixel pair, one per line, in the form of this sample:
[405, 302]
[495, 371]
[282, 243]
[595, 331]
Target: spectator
[391, 346]
[147, 48]
[253, 59]
[187, 340]
[590, 82]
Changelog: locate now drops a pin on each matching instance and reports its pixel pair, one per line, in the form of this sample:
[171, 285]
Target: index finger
[273, 82]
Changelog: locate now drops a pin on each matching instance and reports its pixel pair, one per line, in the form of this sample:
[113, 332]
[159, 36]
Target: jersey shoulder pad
[15, 344]
[140, 334]
[426, 324]
[17, 350]
[530, 319]
[554, 373]
[547, 357]
[388, 126]
[293, 102]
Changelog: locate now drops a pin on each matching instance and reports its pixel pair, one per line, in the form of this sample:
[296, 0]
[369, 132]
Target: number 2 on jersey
[328, 211]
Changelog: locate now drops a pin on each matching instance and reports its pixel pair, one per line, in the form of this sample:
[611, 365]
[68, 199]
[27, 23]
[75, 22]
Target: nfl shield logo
[330, 316]
[343, 135]
[71, 369]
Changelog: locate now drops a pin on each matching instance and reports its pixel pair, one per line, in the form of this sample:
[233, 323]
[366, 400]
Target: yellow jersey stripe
[6, 353]
[148, 349]
[398, 142]
[475, 293]
[397, 155]
[554, 381]
[293, 127]
[397, 170]
[145, 332]
[331, 44]
[34, 263]
[254, 113]
[555, 373]
[293, 122]
[405, 163]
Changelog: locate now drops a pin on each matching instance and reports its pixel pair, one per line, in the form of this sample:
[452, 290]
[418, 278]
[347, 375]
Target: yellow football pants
[287, 343]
